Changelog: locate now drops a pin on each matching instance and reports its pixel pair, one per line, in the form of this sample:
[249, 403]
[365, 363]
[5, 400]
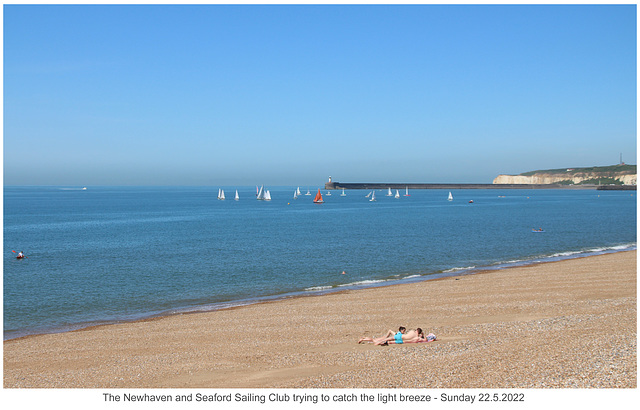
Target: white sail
[373, 196]
[389, 192]
[298, 191]
[343, 194]
[237, 196]
[450, 197]
[267, 196]
[397, 194]
[328, 193]
[261, 193]
[221, 194]
[308, 193]
[368, 195]
[406, 191]
[295, 194]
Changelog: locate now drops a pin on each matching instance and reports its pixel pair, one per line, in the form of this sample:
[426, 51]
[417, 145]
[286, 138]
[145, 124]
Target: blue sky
[288, 95]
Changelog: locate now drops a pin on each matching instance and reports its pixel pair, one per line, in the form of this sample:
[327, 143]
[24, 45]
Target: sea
[105, 255]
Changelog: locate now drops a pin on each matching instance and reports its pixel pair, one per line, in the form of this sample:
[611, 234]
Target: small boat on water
[406, 191]
[237, 196]
[389, 192]
[397, 194]
[298, 191]
[343, 194]
[221, 194]
[537, 230]
[263, 195]
[373, 196]
[450, 198]
[318, 199]
[295, 194]
[328, 193]
[368, 195]
[308, 193]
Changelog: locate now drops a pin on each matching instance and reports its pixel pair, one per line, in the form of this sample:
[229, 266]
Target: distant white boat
[298, 191]
[397, 194]
[406, 191]
[328, 193]
[373, 196]
[220, 194]
[308, 193]
[295, 194]
[343, 194]
[84, 189]
[260, 195]
[237, 196]
[369, 194]
[267, 196]
[389, 192]
[450, 197]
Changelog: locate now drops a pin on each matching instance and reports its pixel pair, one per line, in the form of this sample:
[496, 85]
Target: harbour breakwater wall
[382, 185]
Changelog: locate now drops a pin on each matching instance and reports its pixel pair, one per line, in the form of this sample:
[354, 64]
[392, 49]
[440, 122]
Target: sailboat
[389, 192]
[450, 197]
[308, 193]
[368, 195]
[328, 193]
[397, 194]
[221, 194]
[373, 196]
[298, 191]
[295, 194]
[406, 191]
[318, 199]
[260, 195]
[267, 196]
[343, 194]
[237, 196]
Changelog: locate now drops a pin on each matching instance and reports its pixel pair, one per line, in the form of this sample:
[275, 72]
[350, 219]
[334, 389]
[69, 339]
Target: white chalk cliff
[554, 178]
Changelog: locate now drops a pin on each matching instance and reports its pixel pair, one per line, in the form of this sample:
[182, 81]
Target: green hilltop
[610, 169]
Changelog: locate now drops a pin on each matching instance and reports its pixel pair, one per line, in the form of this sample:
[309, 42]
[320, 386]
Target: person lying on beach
[420, 339]
[391, 335]
[402, 336]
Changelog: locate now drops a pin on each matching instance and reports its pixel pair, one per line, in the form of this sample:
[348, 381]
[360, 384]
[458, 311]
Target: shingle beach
[567, 324]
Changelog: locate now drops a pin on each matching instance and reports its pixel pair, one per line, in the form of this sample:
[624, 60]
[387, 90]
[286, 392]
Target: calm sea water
[109, 254]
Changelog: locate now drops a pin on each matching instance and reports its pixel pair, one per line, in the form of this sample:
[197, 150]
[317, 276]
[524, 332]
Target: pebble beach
[566, 324]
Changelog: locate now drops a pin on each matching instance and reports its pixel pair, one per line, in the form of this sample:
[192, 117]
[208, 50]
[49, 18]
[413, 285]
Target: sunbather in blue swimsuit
[398, 338]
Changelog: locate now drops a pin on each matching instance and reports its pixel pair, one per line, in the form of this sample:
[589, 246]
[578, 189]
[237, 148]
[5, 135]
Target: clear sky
[288, 95]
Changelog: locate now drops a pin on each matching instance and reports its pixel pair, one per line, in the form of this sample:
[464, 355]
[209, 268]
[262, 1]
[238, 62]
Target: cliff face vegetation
[615, 174]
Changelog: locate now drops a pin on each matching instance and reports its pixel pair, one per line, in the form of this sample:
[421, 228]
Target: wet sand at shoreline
[557, 324]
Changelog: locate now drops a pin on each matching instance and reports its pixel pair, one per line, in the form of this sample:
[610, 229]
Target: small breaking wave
[316, 288]
[458, 269]
[365, 282]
